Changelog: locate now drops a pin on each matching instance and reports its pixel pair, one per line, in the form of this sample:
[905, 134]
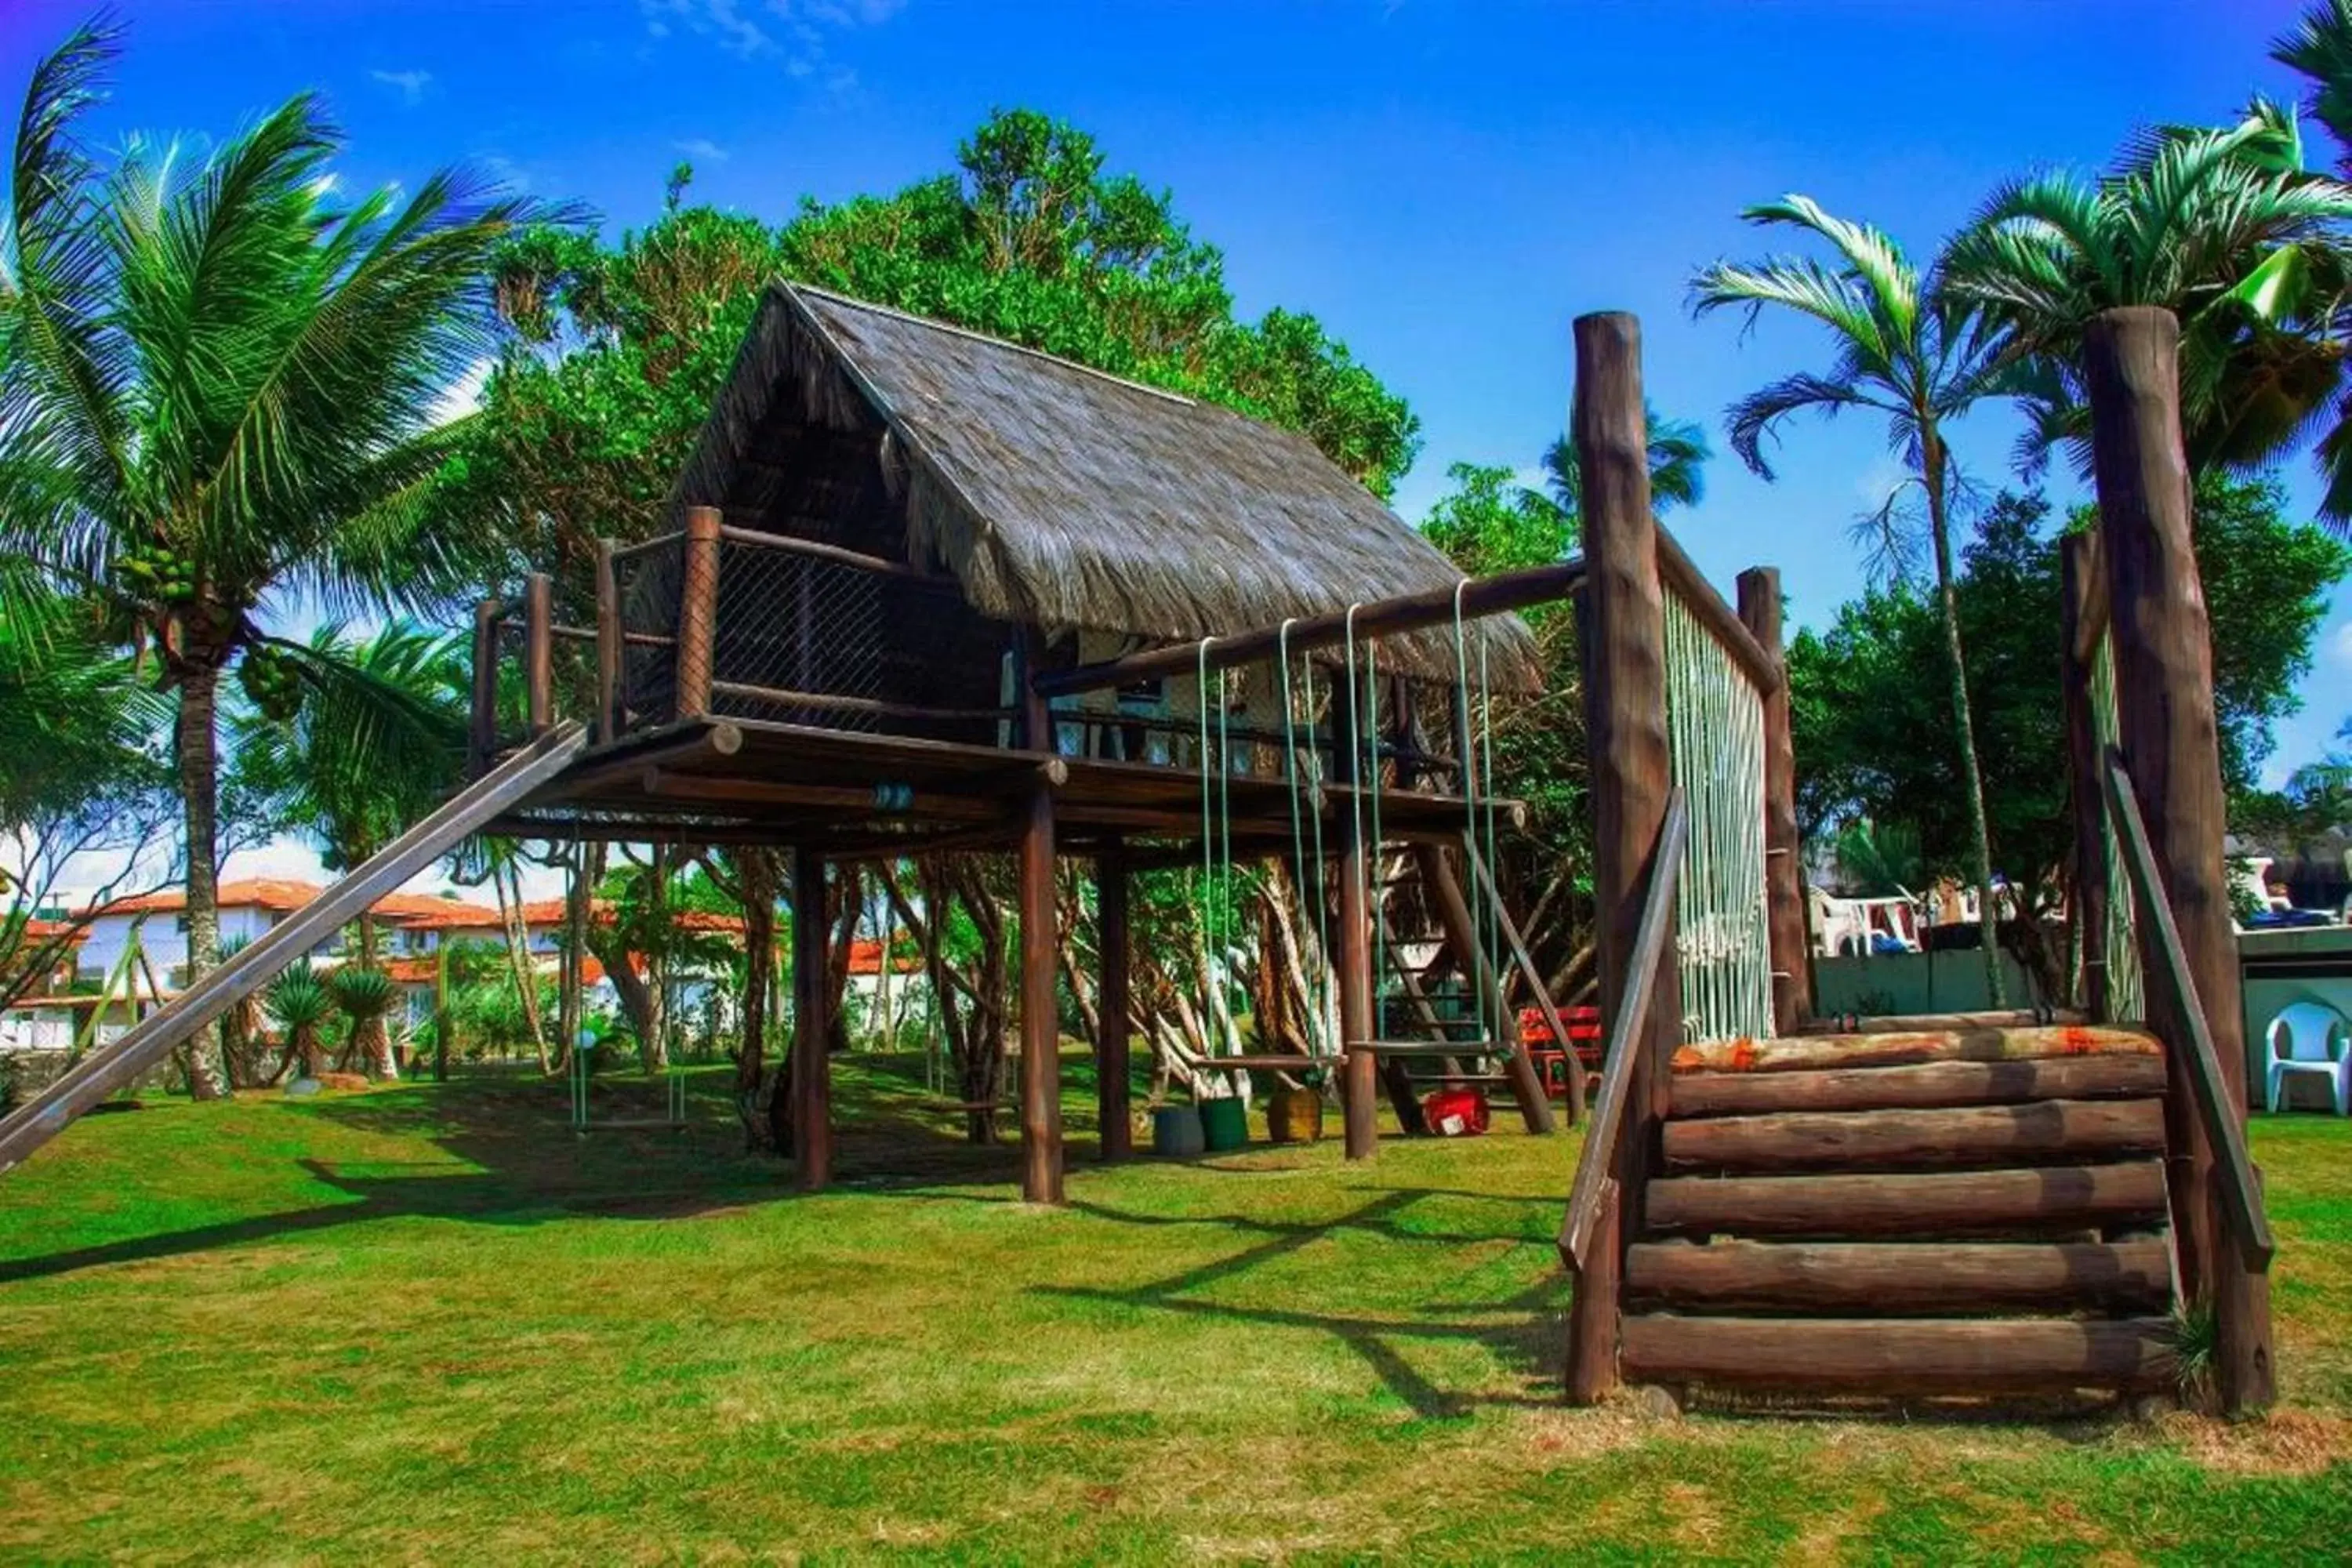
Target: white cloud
[409, 84]
[793, 33]
[2339, 646]
[703, 149]
[464, 397]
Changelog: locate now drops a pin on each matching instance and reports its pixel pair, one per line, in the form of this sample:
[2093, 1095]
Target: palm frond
[1756, 417]
[1798, 283]
[1871, 256]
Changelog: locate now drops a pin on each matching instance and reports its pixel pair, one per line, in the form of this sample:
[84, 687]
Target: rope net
[1715, 729]
[2126, 993]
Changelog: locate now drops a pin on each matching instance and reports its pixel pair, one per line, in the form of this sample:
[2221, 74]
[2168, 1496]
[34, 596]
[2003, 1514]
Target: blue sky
[1446, 186]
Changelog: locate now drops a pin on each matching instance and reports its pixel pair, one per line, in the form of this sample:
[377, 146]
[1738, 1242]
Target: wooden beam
[1625, 707]
[1947, 1279]
[1484, 597]
[1903, 1138]
[1360, 1070]
[2084, 587]
[1679, 574]
[698, 611]
[784, 697]
[1784, 850]
[2169, 741]
[811, 1081]
[610, 635]
[538, 649]
[816, 550]
[2054, 1198]
[482, 741]
[1112, 1088]
[1454, 918]
[1897, 1356]
[1534, 977]
[1041, 1031]
[1925, 1084]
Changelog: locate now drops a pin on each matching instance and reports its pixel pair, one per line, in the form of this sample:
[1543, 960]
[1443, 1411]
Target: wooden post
[2170, 738]
[539, 650]
[608, 646]
[1041, 1033]
[1784, 850]
[1452, 912]
[484, 739]
[810, 1081]
[1625, 718]
[1359, 1069]
[1111, 1067]
[2084, 589]
[698, 611]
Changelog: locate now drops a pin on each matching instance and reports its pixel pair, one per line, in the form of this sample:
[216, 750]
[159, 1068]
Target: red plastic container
[1455, 1113]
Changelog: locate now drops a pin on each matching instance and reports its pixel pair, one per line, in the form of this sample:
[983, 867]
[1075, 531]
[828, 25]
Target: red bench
[1583, 1025]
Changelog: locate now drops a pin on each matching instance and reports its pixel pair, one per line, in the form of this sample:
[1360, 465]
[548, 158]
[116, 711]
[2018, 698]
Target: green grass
[427, 1323]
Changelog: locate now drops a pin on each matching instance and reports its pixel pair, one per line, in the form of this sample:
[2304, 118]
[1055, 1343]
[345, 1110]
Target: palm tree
[1679, 454]
[2225, 228]
[298, 1003]
[350, 740]
[218, 386]
[1906, 352]
[2320, 49]
[365, 996]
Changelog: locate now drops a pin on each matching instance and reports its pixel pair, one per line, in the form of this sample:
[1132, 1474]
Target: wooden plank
[1785, 908]
[1592, 1311]
[1900, 1356]
[1909, 1205]
[698, 611]
[1536, 988]
[1112, 1067]
[539, 650]
[1678, 573]
[1452, 912]
[810, 1067]
[2218, 1112]
[1925, 1085]
[1950, 1136]
[482, 737]
[833, 554]
[874, 706]
[1622, 621]
[1901, 1279]
[1804, 1052]
[2082, 579]
[97, 1076]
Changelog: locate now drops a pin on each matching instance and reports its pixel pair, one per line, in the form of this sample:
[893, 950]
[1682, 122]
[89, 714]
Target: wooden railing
[1622, 1055]
[2217, 1111]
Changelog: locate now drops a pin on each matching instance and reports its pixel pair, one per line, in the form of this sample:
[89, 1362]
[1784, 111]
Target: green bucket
[1225, 1124]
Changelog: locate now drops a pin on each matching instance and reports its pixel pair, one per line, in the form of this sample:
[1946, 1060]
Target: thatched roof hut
[1057, 496]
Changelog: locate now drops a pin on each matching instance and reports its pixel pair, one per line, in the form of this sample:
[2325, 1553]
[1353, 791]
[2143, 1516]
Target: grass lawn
[425, 1322]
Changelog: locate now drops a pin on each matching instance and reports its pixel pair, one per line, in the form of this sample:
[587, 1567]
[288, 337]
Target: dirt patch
[2285, 1443]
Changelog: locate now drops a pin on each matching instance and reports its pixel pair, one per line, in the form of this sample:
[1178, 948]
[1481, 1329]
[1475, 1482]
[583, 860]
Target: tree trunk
[199, 763]
[756, 877]
[845, 899]
[653, 1040]
[1964, 724]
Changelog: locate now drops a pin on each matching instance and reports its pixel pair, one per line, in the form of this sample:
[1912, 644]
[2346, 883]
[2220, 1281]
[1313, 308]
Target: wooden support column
[2170, 738]
[608, 646]
[539, 650]
[1452, 912]
[483, 741]
[1784, 850]
[810, 1083]
[2082, 577]
[1041, 1034]
[1359, 1069]
[698, 611]
[1625, 718]
[1111, 1066]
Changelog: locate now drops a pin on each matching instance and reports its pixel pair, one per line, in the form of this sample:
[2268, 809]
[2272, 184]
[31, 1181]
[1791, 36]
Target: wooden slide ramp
[1959, 1213]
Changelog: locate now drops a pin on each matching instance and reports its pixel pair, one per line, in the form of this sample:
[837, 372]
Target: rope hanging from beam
[1714, 727]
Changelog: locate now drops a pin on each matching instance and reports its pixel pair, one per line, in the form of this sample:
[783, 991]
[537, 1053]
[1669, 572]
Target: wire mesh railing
[647, 581]
[1714, 726]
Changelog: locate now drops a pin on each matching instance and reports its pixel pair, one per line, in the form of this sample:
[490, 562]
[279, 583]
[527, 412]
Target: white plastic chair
[2313, 1039]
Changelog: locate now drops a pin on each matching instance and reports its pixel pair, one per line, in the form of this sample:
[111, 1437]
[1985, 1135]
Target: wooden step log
[2049, 1131]
[1915, 1023]
[1797, 1053]
[1901, 1277]
[1921, 1087]
[1969, 1202]
[1899, 1355]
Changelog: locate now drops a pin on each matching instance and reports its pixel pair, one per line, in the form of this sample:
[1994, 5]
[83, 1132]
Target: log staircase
[1965, 1211]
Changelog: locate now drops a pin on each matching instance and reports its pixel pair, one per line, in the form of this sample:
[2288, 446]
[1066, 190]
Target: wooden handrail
[1625, 1032]
[1680, 577]
[2215, 1112]
[833, 554]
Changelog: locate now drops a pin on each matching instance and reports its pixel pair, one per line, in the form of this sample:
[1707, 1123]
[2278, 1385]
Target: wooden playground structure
[929, 592]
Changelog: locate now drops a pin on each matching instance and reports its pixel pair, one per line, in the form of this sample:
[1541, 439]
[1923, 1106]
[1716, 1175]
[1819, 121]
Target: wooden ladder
[1956, 1212]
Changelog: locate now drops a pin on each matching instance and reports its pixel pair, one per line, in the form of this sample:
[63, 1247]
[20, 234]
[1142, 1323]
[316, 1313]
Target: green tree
[2226, 229]
[1907, 353]
[1679, 454]
[218, 385]
[350, 740]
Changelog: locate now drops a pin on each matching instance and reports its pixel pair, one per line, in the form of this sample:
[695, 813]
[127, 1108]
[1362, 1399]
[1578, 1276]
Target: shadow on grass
[1524, 1334]
[514, 1158]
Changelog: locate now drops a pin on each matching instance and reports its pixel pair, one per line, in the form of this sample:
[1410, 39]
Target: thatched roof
[1060, 495]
